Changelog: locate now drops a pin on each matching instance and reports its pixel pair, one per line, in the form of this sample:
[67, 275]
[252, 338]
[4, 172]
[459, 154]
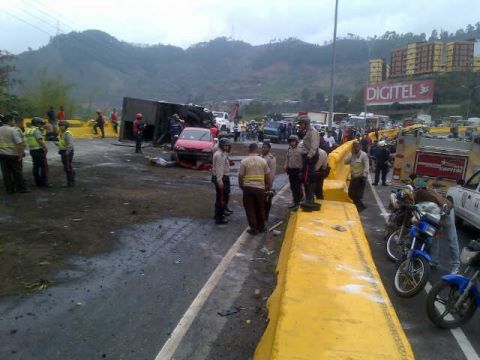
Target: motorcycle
[413, 268]
[398, 223]
[453, 301]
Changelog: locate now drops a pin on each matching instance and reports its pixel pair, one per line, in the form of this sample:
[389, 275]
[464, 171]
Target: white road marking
[189, 316]
[457, 333]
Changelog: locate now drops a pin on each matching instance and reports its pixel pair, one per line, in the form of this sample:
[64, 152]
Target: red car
[194, 144]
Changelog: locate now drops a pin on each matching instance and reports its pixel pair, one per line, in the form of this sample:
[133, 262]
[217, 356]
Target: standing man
[330, 140]
[236, 131]
[11, 154]
[382, 158]
[175, 129]
[65, 149]
[448, 224]
[322, 170]
[114, 120]
[138, 128]
[359, 168]
[52, 120]
[221, 180]
[311, 143]
[61, 114]
[272, 166]
[254, 180]
[38, 151]
[99, 124]
[293, 167]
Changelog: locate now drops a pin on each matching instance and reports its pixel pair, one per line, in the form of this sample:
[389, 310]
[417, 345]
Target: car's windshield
[273, 125]
[200, 135]
[473, 182]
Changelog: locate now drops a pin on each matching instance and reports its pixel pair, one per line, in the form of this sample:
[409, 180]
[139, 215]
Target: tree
[46, 91]
[320, 99]
[254, 108]
[8, 100]
[433, 36]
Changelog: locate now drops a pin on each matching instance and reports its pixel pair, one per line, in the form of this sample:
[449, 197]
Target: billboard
[405, 92]
[440, 166]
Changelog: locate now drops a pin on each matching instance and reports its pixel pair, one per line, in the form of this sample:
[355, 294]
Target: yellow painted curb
[330, 302]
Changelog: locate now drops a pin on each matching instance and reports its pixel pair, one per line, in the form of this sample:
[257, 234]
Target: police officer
[382, 158]
[11, 154]
[38, 151]
[65, 149]
[254, 180]
[221, 180]
[293, 167]
[272, 165]
[359, 168]
[311, 143]
[138, 128]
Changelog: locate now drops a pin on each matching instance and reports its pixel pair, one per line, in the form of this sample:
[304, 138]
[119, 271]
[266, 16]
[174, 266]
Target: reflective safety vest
[259, 178]
[61, 140]
[32, 140]
[6, 141]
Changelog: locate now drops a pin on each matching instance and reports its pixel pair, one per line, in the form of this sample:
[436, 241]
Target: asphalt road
[428, 342]
[126, 303]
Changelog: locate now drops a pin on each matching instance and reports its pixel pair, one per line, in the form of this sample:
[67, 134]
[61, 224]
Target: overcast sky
[30, 23]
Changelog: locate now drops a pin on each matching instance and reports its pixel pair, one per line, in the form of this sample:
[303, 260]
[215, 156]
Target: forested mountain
[104, 69]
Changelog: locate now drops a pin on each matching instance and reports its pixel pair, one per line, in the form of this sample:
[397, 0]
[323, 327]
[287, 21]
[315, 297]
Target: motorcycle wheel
[410, 283]
[393, 247]
[440, 306]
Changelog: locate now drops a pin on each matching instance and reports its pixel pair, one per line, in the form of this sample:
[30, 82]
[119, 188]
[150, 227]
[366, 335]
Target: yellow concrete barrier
[329, 302]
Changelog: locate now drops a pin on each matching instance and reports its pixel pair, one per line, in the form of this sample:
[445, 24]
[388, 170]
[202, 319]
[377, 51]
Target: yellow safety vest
[6, 141]
[259, 178]
[32, 140]
[61, 140]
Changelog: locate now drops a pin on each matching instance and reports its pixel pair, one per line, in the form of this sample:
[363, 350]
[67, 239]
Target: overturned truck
[157, 116]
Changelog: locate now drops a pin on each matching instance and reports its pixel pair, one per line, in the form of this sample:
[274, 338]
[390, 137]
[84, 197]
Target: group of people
[14, 139]
[306, 165]
[255, 179]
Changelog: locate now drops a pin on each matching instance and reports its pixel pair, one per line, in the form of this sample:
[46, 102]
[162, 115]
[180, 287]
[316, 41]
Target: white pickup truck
[466, 200]
[222, 121]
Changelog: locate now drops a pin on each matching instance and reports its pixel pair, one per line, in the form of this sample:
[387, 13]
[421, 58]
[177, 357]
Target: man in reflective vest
[38, 151]
[11, 154]
[254, 179]
[65, 149]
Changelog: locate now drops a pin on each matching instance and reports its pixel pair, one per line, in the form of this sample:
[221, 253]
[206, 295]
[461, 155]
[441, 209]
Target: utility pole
[332, 75]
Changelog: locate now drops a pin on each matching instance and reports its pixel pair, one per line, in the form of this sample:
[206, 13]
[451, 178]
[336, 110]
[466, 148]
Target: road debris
[231, 311]
[41, 284]
[276, 232]
[257, 294]
[275, 226]
[339, 228]
[266, 251]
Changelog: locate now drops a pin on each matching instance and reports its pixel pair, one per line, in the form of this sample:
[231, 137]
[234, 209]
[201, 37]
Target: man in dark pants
[322, 170]
[293, 167]
[138, 127]
[11, 154]
[65, 149]
[272, 165]
[175, 129]
[38, 151]
[311, 143]
[221, 180]
[100, 122]
[382, 158]
[359, 168]
[254, 180]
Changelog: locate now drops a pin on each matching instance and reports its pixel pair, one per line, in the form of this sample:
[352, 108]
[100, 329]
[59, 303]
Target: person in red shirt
[61, 114]
[138, 127]
[214, 131]
[114, 120]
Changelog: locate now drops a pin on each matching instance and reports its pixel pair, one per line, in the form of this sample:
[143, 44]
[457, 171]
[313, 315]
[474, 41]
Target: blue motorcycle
[453, 301]
[413, 268]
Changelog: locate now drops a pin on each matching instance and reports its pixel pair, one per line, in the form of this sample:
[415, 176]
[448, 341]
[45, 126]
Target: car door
[470, 199]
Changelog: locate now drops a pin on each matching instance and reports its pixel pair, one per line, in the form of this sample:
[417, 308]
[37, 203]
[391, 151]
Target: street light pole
[332, 75]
